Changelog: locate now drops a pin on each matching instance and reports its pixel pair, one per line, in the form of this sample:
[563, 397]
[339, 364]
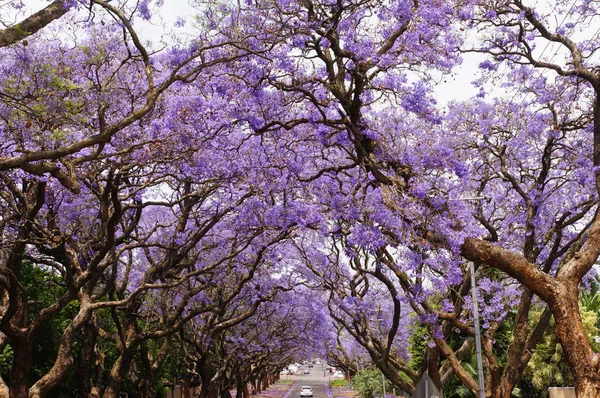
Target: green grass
[337, 383]
[285, 381]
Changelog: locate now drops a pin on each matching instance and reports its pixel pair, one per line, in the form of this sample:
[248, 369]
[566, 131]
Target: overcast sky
[452, 87]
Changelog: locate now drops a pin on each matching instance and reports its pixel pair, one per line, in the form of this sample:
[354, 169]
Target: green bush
[367, 382]
[337, 383]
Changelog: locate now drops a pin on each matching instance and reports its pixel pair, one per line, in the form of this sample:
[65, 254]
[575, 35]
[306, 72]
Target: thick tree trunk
[87, 358]
[149, 379]
[187, 390]
[433, 366]
[118, 373]
[265, 382]
[209, 389]
[225, 393]
[597, 139]
[583, 362]
[149, 388]
[241, 386]
[239, 393]
[19, 372]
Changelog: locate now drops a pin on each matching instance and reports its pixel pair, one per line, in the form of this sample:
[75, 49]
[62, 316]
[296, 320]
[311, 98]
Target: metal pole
[477, 331]
[383, 381]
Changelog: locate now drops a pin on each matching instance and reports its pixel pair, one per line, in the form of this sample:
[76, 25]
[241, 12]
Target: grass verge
[285, 381]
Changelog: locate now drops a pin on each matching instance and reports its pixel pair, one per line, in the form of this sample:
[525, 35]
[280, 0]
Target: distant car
[310, 365]
[317, 363]
[338, 373]
[306, 391]
[306, 371]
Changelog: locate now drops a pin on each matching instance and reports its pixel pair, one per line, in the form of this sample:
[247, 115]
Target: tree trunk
[209, 389]
[149, 378]
[583, 362]
[265, 382]
[149, 388]
[597, 138]
[187, 391]
[240, 386]
[118, 373]
[86, 360]
[433, 366]
[225, 393]
[19, 372]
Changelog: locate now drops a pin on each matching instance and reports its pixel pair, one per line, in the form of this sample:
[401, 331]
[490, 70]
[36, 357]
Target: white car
[338, 373]
[306, 391]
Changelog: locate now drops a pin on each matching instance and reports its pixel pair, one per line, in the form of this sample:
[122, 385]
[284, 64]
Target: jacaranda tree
[181, 195]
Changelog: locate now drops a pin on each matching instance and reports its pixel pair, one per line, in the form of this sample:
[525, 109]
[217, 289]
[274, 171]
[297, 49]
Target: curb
[289, 391]
[328, 390]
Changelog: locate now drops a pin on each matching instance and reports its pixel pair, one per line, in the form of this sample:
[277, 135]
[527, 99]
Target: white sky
[456, 87]
[452, 87]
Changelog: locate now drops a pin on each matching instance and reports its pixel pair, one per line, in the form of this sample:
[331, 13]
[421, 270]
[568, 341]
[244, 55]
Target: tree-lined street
[199, 195]
[318, 378]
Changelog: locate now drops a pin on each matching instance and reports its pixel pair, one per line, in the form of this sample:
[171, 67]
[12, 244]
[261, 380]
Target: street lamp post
[476, 309]
[477, 331]
[383, 382]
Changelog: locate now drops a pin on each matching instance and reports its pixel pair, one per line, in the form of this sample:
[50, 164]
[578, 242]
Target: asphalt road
[316, 379]
[318, 389]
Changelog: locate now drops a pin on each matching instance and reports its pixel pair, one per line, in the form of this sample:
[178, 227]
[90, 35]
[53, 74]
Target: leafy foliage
[369, 383]
[547, 366]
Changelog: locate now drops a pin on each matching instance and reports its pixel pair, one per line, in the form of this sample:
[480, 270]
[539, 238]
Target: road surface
[316, 379]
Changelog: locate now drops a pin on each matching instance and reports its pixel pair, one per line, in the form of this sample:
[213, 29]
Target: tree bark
[19, 372]
[597, 137]
[265, 382]
[209, 389]
[86, 360]
[118, 372]
[34, 23]
[149, 387]
[225, 393]
[240, 386]
[583, 362]
[561, 294]
[246, 392]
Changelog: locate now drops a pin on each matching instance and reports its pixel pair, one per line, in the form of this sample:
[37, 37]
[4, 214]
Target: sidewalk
[280, 389]
[342, 392]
